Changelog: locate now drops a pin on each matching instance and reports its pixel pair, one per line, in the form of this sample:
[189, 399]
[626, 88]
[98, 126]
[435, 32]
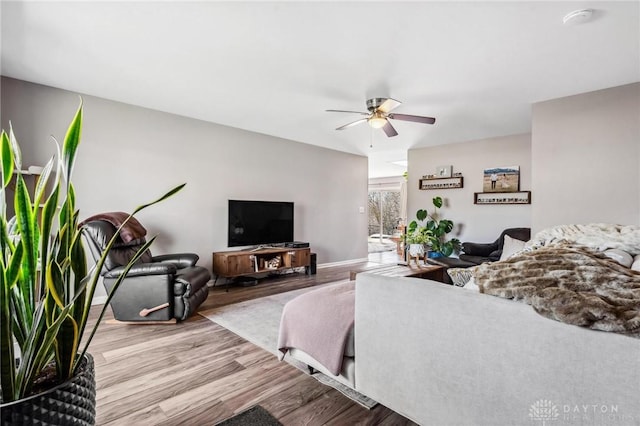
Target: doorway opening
[385, 205]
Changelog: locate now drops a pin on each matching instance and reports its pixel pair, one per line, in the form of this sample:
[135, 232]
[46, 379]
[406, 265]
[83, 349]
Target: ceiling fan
[380, 113]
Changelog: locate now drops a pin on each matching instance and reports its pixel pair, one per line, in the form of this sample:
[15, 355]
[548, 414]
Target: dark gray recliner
[156, 288]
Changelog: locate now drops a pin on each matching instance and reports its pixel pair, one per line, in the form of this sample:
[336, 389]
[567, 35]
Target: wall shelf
[441, 183]
[521, 197]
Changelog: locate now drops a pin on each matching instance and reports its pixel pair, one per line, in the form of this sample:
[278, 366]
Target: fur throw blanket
[571, 284]
[598, 236]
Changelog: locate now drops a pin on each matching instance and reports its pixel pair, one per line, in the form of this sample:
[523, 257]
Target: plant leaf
[17, 154]
[78, 263]
[71, 142]
[66, 345]
[42, 181]
[29, 237]
[13, 270]
[54, 283]
[445, 226]
[437, 201]
[421, 214]
[162, 198]
[46, 223]
[7, 159]
[7, 358]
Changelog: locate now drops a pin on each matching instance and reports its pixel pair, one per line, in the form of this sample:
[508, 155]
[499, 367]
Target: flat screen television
[259, 222]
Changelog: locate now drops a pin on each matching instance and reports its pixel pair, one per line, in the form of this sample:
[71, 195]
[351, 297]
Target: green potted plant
[418, 235]
[46, 291]
[438, 229]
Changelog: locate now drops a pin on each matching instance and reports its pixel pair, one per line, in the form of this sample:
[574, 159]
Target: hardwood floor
[198, 373]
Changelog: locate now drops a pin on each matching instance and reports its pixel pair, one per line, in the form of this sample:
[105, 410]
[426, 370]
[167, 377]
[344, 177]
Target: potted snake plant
[46, 289]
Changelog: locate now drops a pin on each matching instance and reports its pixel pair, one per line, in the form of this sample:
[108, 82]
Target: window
[384, 214]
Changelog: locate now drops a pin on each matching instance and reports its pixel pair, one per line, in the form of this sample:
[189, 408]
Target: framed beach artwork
[501, 179]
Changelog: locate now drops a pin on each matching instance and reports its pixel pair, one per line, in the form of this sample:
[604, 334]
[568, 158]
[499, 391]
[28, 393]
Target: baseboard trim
[99, 300]
[341, 263]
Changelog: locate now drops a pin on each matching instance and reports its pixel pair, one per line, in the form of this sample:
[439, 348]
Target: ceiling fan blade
[416, 118]
[346, 126]
[388, 105]
[389, 130]
[354, 112]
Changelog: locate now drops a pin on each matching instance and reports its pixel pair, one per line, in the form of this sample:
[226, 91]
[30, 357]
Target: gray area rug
[254, 416]
[258, 321]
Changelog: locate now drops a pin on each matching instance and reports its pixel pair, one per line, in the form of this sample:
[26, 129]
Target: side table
[431, 272]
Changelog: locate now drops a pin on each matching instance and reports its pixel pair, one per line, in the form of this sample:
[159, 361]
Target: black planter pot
[72, 403]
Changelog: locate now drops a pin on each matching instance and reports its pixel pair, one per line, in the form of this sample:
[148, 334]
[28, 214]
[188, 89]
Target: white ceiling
[274, 67]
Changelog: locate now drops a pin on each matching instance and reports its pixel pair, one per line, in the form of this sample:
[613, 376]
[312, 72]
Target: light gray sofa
[443, 355]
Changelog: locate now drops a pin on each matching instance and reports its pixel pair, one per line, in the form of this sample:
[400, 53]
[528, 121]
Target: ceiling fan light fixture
[377, 121]
[379, 116]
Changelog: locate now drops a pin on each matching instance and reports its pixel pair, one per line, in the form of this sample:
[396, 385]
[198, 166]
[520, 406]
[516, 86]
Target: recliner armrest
[181, 260]
[478, 249]
[143, 269]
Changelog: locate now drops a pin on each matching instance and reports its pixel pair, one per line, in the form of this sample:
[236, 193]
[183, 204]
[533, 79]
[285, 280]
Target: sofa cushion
[510, 247]
[471, 285]
[636, 263]
[495, 255]
[460, 276]
[620, 256]
[476, 260]
[450, 262]
[479, 249]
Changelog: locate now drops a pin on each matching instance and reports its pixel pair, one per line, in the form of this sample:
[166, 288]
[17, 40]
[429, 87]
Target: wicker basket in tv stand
[238, 263]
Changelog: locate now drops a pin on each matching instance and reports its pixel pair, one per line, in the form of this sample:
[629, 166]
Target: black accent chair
[157, 288]
[477, 253]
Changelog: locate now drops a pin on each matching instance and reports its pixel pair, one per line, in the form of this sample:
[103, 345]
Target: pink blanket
[318, 323]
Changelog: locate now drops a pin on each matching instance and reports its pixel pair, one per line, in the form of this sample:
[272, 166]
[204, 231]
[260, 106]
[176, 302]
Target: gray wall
[130, 155]
[479, 223]
[586, 158]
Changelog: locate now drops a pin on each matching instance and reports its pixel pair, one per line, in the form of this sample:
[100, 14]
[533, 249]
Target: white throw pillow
[471, 285]
[636, 263]
[510, 247]
[460, 276]
[620, 256]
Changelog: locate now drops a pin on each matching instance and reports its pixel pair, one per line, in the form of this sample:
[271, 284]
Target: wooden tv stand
[231, 264]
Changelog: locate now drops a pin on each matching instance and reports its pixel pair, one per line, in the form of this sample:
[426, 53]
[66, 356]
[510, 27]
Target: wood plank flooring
[198, 373]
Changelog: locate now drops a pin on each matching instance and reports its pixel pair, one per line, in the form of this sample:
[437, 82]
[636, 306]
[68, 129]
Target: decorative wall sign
[522, 197]
[441, 183]
[501, 179]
